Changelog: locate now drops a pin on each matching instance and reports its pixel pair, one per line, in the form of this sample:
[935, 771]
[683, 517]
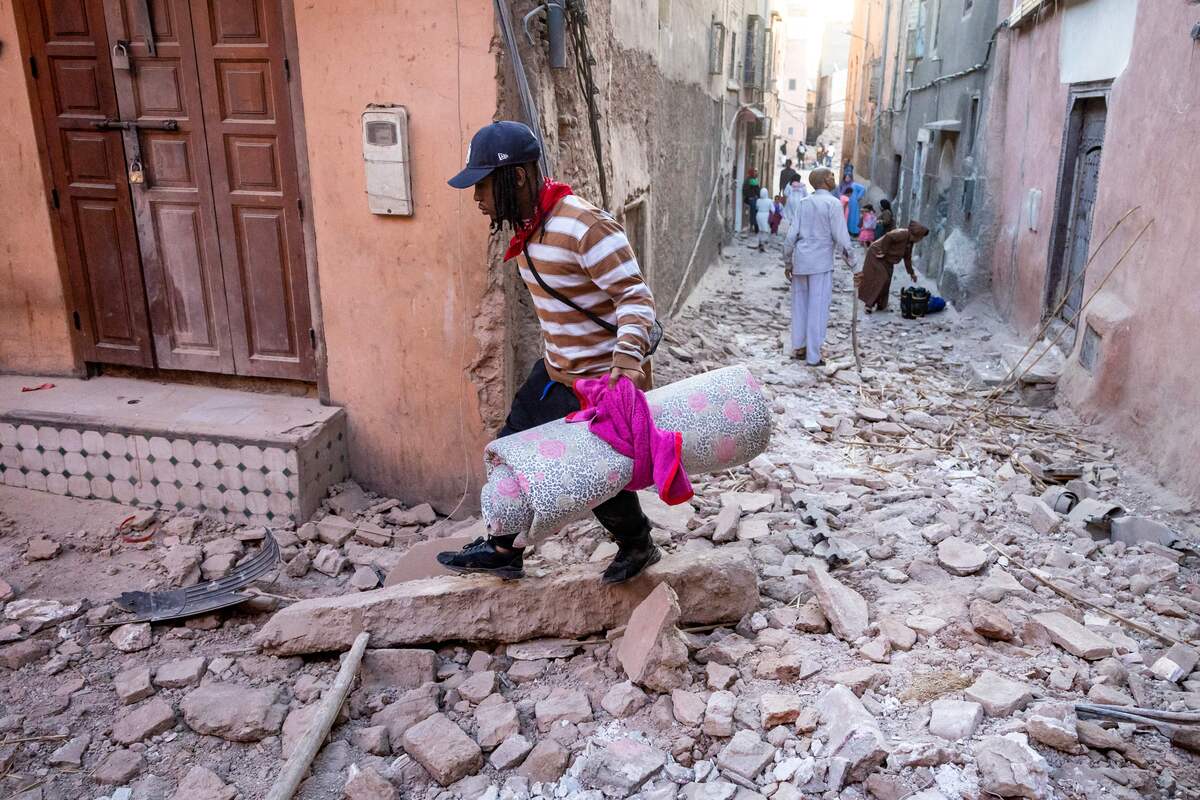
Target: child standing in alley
[866, 234]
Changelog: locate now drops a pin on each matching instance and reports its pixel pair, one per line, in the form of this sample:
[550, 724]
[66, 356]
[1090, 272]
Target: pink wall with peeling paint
[1145, 388]
[34, 337]
[400, 294]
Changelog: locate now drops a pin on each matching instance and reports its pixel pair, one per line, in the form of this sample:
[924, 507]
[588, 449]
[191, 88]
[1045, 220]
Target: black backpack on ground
[914, 302]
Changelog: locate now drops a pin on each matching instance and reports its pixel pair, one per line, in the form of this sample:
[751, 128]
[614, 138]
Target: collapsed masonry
[923, 663]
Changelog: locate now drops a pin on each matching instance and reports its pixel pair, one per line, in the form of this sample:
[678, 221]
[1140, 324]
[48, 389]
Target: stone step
[714, 586]
[253, 458]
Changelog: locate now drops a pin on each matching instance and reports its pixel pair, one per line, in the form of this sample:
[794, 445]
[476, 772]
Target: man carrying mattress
[595, 310]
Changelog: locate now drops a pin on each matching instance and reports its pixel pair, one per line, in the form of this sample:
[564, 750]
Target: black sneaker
[481, 555]
[631, 559]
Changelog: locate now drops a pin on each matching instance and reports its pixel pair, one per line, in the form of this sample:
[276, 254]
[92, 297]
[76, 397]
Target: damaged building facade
[915, 101]
[1038, 140]
[234, 224]
[1088, 145]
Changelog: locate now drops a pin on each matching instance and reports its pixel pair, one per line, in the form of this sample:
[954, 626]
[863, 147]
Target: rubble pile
[867, 610]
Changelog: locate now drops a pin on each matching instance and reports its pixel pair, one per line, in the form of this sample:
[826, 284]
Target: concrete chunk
[845, 608]
[442, 748]
[1073, 637]
[713, 586]
[998, 695]
[853, 733]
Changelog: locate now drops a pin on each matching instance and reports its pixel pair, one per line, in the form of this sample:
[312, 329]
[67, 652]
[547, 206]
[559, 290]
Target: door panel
[200, 266]
[1083, 200]
[69, 42]
[240, 51]
[176, 218]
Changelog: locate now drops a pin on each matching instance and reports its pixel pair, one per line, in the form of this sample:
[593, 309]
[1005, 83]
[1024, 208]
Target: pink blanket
[621, 417]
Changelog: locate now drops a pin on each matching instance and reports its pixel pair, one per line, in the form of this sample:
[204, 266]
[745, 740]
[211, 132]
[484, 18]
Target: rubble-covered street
[890, 559]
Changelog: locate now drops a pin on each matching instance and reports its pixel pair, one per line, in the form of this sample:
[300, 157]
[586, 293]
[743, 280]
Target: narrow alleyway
[958, 669]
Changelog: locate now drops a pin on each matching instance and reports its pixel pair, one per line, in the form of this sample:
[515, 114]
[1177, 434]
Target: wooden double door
[169, 131]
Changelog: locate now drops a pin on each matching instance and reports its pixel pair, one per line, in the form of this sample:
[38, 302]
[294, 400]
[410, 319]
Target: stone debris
[42, 549]
[133, 684]
[495, 722]
[120, 766]
[131, 638]
[181, 673]
[999, 696]
[853, 734]
[233, 712]
[562, 705]
[960, 557]
[364, 783]
[71, 754]
[621, 768]
[714, 586]
[745, 755]
[954, 719]
[442, 748]
[826, 622]
[652, 652]
[844, 608]
[546, 762]
[397, 668]
[201, 783]
[1176, 663]
[1073, 637]
[152, 717]
[623, 699]
[1009, 767]
[990, 621]
[511, 752]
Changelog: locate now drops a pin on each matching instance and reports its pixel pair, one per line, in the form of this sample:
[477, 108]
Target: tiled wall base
[263, 482]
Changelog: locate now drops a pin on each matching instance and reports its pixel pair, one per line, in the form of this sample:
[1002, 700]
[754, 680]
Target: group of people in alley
[597, 314]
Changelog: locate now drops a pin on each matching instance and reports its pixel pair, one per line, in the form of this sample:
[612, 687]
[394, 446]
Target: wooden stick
[19, 740]
[295, 768]
[1137, 626]
[1014, 377]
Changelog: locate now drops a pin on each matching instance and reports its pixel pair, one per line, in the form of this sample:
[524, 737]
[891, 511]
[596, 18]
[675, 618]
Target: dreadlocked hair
[506, 194]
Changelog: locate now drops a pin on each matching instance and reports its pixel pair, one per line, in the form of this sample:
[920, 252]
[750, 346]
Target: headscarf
[857, 190]
[917, 229]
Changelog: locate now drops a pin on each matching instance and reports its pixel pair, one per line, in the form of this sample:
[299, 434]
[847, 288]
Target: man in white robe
[817, 232]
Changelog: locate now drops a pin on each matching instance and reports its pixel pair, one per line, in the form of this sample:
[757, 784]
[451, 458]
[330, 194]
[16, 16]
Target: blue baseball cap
[497, 145]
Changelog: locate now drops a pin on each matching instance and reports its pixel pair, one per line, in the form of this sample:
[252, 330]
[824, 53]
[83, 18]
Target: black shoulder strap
[560, 297]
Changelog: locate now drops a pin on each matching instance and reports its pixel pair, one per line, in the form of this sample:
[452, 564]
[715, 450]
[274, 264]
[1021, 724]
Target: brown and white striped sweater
[582, 253]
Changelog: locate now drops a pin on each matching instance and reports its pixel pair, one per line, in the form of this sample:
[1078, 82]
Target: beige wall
[401, 295]
[34, 337]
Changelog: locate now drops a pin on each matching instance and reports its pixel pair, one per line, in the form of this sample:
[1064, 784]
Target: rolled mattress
[546, 477]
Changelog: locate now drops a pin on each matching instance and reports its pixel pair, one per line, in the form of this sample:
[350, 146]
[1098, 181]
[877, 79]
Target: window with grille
[753, 61]
[716, 48]
[732, 56]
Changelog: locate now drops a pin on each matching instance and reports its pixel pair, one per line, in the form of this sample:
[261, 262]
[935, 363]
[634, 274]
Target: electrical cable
[577, 25]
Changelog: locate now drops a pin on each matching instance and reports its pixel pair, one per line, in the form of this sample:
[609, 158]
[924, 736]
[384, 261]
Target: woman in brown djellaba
[883, 255]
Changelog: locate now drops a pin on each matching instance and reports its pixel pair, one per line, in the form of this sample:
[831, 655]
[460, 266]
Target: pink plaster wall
[34, 337]
[1147, 389]
[401, 295]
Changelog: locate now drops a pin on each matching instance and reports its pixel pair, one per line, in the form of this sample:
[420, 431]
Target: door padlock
[120, 55]
[136, 173]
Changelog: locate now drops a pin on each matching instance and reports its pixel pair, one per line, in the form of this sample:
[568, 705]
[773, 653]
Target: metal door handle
[129, 125]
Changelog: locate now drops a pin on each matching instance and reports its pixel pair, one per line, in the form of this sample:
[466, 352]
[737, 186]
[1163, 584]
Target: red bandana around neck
[552, 192]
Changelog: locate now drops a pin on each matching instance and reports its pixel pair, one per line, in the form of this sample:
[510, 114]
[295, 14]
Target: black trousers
[540, 400]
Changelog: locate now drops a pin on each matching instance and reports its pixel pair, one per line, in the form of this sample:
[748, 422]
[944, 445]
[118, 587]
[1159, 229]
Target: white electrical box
[385, 154]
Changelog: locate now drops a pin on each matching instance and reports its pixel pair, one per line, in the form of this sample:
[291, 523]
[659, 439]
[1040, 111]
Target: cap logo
[468, 153]
[502, 156]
